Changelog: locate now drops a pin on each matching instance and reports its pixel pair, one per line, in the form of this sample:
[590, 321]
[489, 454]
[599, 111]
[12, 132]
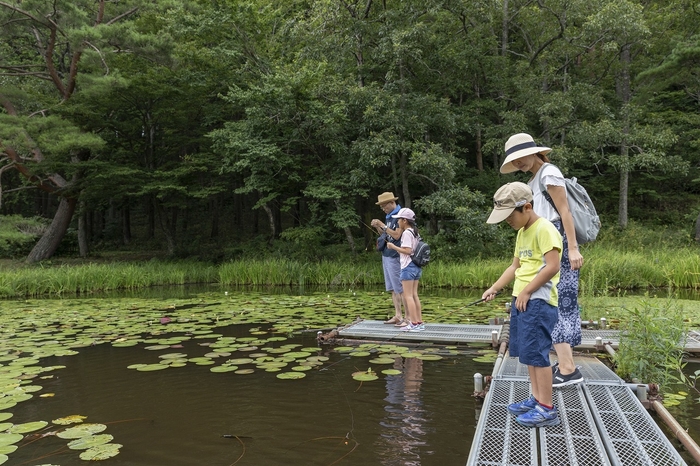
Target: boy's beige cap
[507, 198]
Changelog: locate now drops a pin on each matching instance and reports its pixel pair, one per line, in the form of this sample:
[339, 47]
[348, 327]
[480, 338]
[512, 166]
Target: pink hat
[405, 213]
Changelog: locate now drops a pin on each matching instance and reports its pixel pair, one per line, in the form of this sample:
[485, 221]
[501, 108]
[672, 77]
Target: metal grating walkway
[443, 333]
[603, 423]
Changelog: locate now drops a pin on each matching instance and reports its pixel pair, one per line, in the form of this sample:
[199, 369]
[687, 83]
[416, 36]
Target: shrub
[18, 234]
[651, 343]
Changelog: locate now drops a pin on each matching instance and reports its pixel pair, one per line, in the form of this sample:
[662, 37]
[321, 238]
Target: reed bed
[605, 269]
[87, 278]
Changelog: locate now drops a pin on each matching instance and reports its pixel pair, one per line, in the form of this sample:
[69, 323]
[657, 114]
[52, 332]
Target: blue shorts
[392, 271]
[531, 332]
[411, 272]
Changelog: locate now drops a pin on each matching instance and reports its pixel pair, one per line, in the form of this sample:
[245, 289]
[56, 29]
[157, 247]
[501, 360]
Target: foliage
[261, 121]
[18, 234]
[651, 343]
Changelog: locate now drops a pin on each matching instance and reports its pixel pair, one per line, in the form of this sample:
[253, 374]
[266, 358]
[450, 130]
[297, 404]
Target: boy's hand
[489, 294]
[521, 301]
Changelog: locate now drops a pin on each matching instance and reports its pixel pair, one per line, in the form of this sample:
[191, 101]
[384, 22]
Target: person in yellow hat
[391, 264]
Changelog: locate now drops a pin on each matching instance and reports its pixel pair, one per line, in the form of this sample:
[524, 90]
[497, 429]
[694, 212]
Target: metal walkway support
[603, 423]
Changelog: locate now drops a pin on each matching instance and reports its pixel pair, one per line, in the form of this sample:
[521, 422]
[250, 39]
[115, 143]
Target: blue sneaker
[539, 417]
[523, 407]
[418, 328]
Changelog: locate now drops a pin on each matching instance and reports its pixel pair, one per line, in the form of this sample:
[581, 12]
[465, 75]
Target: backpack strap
[543, 188]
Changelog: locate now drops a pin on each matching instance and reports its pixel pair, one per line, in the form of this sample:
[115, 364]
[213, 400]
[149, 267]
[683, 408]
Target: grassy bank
[606, 270]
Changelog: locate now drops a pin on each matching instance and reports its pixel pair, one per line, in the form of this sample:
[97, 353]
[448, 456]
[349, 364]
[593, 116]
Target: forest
[222, 128]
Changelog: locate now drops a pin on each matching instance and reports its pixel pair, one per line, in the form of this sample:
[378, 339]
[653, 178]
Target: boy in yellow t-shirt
[534, 313]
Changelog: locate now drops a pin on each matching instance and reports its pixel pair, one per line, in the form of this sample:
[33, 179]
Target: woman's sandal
[403, 323]
[393, 320]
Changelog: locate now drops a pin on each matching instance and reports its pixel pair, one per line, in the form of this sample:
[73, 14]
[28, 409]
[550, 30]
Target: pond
[219, 398]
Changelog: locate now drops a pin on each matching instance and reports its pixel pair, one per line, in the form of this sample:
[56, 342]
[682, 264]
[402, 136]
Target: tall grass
[605, 270]
[86, 278]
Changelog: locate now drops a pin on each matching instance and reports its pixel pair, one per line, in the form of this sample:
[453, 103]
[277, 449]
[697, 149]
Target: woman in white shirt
[523, 154]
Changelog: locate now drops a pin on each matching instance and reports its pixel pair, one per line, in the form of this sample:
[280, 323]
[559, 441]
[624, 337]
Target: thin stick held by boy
[535, 273]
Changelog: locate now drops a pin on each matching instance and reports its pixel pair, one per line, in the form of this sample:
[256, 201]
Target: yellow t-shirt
[530, 247]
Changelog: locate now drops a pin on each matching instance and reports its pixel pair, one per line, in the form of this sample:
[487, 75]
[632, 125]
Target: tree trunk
[271, 219]
[697, 229]
[49, 242]
[167, 227]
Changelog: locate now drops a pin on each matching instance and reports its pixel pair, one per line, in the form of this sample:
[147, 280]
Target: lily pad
[365, 377]
[152, 367]
[382, 361]
[5, 416]
[101, 452]
[73, 419]
[391, 372]
[83, 430]
[90, 442]
[430, 357]
[28, 427]
[224, 368]
[7, 449]
[9, 439]
[291, 375]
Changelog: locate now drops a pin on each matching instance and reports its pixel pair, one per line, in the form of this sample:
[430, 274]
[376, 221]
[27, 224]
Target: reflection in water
[405, 418]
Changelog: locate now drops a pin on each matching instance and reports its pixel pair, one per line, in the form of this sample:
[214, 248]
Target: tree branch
[126, 13]
[22, 12]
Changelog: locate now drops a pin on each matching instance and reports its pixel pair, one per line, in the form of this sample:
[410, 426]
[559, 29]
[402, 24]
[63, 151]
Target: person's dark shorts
[531, 332]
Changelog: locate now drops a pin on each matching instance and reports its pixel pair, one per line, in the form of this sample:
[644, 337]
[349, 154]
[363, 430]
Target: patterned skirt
[568, 327]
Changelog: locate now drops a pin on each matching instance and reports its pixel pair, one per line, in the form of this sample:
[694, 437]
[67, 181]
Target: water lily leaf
[90, 442]
[73, 419]
[47, 395]
[5, 425]
[302, 368]
[7, 449]
[382, 361]
[135, 366]
[360, 354]
[3, 458]
[172, 356]
[291, 375]
[125, 344]
[9, 439]
[28, 427]
[157, 347]
[6, 403]
[391, 372]
[152, 367]
[240, 361]
[5, 416]
[411, 354]
[101, 452]
[430, 357]
[365, 377]
[244, 371]
[83, 430]
[224, 368]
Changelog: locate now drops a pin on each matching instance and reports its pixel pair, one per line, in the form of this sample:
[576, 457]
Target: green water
[425, 415]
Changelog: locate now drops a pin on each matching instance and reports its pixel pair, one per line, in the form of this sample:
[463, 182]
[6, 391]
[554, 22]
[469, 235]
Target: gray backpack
[586, 220]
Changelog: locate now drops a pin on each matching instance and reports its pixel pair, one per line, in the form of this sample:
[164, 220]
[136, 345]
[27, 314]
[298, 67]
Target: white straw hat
[517, 146]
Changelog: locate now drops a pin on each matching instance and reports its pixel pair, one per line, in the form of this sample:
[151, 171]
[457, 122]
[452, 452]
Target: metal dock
[439, 333]
[603, 423]
[461, 333]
